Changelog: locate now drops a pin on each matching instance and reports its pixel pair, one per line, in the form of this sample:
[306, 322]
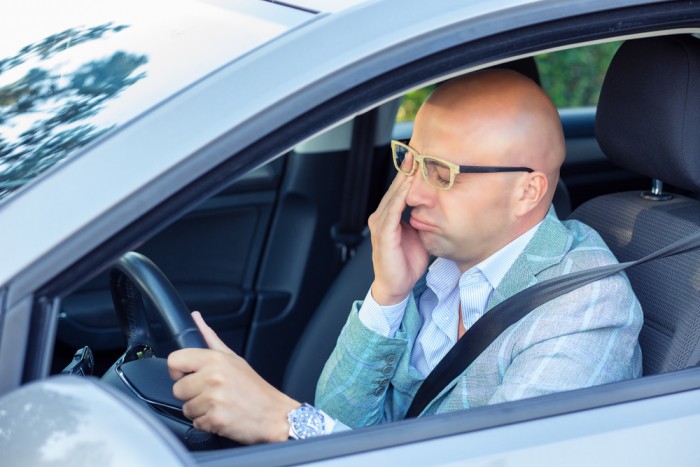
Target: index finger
[213, 340]
[394, 200]
[185, 361]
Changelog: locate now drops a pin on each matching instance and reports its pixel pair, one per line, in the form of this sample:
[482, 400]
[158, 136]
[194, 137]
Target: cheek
[481, 212]
[462, 217]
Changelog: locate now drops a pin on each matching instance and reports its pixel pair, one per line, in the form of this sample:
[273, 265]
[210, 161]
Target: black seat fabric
[647, 122]
[322, 332]
[525, 66]
[562, 200]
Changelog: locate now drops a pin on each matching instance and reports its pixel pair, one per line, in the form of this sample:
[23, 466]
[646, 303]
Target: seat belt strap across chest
[479, 336]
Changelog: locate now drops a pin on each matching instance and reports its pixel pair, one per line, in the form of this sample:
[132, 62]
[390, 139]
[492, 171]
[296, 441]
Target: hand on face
[398, 255]
[224, 395]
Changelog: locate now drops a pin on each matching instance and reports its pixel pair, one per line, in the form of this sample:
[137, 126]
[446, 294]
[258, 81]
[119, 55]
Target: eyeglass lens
[435, 172]
[405, 162]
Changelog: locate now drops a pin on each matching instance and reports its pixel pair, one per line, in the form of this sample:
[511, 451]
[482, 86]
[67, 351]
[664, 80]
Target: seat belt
[347, 233]
[493, 323]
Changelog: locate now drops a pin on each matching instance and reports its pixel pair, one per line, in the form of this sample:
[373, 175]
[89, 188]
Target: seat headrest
[525, 66]
[648, 117]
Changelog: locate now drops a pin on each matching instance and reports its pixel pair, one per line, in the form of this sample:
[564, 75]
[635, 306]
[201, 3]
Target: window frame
[444, 62]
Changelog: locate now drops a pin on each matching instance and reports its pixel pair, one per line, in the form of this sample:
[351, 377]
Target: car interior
[650, 85]
[274, 272]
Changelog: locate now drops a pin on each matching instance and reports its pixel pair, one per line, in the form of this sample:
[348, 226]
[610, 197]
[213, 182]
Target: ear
[531, 191]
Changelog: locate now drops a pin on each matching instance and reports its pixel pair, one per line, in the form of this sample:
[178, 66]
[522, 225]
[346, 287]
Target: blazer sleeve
[585, 338]
[355, 383]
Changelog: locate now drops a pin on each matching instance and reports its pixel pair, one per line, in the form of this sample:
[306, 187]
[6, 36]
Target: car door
[216, 277]
[254, 259]
[401, 439]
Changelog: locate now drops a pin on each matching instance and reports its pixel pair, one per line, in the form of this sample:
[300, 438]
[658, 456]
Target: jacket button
[378, 391]
[391, 359]
[387, 370]
[384, 382]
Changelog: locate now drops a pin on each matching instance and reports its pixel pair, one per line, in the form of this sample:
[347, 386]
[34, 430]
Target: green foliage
[572, 78]
[411, 102]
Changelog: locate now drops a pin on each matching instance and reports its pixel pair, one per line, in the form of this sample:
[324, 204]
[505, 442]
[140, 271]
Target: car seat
[647, 122]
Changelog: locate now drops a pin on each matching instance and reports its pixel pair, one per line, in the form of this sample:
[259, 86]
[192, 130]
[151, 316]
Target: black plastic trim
[296, 7]
[42, 328]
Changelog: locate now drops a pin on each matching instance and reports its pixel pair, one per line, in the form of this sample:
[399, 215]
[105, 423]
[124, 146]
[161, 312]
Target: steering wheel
[135, 279]
[134, 276]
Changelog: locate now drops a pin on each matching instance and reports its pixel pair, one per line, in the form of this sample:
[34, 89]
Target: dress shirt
[438, 306]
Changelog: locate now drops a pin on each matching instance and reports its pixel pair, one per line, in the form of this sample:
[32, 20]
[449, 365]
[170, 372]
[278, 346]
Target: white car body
[198, 110]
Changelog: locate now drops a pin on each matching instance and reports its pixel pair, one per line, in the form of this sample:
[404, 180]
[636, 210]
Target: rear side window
[412, 102]
[572, 78]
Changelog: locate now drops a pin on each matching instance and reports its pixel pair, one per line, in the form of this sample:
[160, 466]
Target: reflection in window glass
[48, 108]
[68, 80]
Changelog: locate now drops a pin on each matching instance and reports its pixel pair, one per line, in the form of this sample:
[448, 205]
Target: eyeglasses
[437, 172]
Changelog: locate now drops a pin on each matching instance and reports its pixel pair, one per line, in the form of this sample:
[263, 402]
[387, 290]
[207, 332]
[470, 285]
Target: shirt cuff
[384, 320]
[339, 426]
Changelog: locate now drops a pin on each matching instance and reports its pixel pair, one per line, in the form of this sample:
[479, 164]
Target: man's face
[475, 217]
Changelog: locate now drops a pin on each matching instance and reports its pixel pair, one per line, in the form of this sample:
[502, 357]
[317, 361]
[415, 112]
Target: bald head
[506, 115]
[489, 118]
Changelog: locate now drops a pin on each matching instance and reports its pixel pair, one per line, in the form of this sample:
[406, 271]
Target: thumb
[210, 336]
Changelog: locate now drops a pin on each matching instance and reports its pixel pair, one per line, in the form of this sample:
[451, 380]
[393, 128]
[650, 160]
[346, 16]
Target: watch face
[307, 422]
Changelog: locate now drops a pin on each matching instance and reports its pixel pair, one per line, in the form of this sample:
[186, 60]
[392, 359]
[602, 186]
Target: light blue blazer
[584, 338]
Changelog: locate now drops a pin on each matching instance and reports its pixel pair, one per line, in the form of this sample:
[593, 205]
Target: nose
[420, 193]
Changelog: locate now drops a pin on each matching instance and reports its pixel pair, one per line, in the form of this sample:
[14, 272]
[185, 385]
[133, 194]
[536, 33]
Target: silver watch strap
[309, 422]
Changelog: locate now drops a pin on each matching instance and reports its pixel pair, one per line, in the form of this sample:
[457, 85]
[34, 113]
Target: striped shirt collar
[443, 274]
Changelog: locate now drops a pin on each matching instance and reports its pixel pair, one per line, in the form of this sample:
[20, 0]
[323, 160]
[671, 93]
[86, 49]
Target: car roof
[325, 5]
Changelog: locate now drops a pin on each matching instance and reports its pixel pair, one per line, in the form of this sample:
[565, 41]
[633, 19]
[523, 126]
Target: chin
[432, 245]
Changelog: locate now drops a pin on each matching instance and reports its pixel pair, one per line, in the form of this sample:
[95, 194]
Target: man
[494, 233]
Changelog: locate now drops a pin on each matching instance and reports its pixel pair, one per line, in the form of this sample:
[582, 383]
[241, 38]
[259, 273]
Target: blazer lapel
[547, 248]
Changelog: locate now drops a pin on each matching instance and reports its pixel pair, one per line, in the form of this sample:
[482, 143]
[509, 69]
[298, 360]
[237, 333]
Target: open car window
[247, 242]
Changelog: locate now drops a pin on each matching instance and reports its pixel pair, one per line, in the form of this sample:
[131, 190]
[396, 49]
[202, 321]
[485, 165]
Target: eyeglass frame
[418, 160]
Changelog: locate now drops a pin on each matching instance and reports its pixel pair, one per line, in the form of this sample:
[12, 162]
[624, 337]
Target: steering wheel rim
[146, 378]
[134, 274]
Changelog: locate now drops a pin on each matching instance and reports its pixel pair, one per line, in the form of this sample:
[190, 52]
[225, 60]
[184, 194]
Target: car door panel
[300, 260]
[211, 256]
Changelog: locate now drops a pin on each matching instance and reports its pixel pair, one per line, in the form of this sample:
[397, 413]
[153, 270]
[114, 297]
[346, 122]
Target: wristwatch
[308, 422]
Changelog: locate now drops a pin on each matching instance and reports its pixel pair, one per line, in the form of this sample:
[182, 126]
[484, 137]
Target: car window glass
[411, 102]
[65, 83]
[572, 78]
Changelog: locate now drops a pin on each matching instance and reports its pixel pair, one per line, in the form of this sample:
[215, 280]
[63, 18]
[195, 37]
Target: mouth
[420, 224]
